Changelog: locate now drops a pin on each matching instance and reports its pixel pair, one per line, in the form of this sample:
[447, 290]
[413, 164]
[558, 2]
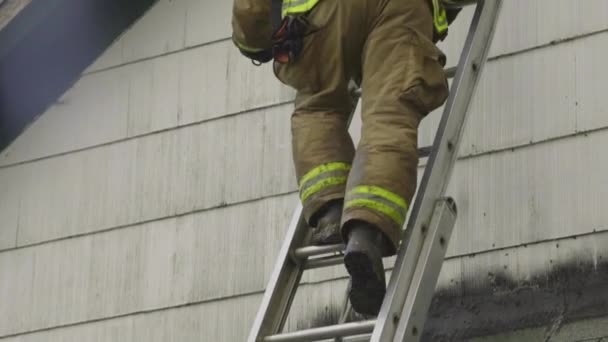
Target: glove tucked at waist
[252, 29]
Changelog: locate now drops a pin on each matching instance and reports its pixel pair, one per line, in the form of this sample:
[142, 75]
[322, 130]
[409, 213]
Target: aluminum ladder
[416, 270]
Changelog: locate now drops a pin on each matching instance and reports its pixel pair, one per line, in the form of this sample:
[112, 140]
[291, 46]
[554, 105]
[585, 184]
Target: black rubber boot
[327, 231]
[363, 260]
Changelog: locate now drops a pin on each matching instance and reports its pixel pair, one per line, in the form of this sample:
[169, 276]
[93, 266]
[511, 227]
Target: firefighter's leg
[322, 148]
[403, 80]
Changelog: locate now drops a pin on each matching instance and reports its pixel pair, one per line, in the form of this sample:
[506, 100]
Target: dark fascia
[45, 48]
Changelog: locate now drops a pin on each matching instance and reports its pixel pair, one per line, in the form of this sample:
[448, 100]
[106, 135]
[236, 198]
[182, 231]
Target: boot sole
[326, 240]
[329, 236]
[367, 288]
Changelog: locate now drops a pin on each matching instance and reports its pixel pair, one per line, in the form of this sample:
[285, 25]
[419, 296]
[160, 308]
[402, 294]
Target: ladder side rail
[419, 299]
[282, 284]
[439, 166]
[429, 265]
[420, 294]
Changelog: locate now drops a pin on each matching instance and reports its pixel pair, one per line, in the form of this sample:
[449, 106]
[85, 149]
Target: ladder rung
[327, 261]
[425, 151]
[358, 338]
[450, 72]
[333, 331]
[309, 251]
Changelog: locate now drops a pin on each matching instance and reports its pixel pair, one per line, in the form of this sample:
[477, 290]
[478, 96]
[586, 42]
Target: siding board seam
[512, 148]
[530, 144]
[144, 135]
[149, 58]
[144, 222]
[258, 292]
[282, 103]
[554, 42]
[255, 109]
[220, 206]
[246, 111]
[222, 40]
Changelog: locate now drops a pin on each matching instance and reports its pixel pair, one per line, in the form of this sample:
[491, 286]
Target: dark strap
[276, 13]
[452, 13]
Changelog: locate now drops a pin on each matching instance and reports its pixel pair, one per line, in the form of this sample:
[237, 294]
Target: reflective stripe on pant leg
[440, 18]
[322, 177]
[298, 6]
[246, 48]
[379, 200]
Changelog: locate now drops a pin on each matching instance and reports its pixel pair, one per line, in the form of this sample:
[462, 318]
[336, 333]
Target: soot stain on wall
[495, 302]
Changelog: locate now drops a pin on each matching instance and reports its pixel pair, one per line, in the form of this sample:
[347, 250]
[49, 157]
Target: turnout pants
[385, 46]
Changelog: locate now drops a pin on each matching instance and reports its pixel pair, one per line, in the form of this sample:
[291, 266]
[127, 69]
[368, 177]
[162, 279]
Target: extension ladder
[416, 270]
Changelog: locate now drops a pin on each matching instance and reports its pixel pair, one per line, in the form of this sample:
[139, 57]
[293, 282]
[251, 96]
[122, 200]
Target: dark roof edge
[45, 48]
[24, 22]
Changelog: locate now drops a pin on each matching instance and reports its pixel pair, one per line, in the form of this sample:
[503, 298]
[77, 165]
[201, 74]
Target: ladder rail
[438, 170]
[428, 267]
[282, 284]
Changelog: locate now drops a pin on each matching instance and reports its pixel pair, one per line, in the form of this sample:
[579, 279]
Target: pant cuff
[386, 225]
[316, 202]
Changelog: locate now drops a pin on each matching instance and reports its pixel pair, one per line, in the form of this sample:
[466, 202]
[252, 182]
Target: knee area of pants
[425, 84]
[390, 140]
[318, 118]
[392, 114]
[425, 97]
[390, 132]
[400, 151]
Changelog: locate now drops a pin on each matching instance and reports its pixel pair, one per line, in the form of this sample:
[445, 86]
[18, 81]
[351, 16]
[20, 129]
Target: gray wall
[149, 203]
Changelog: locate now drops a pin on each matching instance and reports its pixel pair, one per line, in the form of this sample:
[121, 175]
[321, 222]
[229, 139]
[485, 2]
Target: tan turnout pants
[386, 47]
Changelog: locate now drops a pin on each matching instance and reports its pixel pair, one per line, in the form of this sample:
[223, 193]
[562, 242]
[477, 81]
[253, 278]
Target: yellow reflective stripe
[246, 48]
[440, 17]
[298, 6]
[322, 184]
[387, 210]
[380, 192]
[317, 171]
[380, 200]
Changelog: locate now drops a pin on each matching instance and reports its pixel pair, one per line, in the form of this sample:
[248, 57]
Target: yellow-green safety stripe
[440, 17]
[379, 207]
[320, 185]
[246, 48]
[380, 192]
[329, 167]
[379, 200]
[298, 6]
[322, 177]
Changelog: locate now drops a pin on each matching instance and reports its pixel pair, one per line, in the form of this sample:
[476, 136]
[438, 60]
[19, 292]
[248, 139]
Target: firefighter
[359, 196]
